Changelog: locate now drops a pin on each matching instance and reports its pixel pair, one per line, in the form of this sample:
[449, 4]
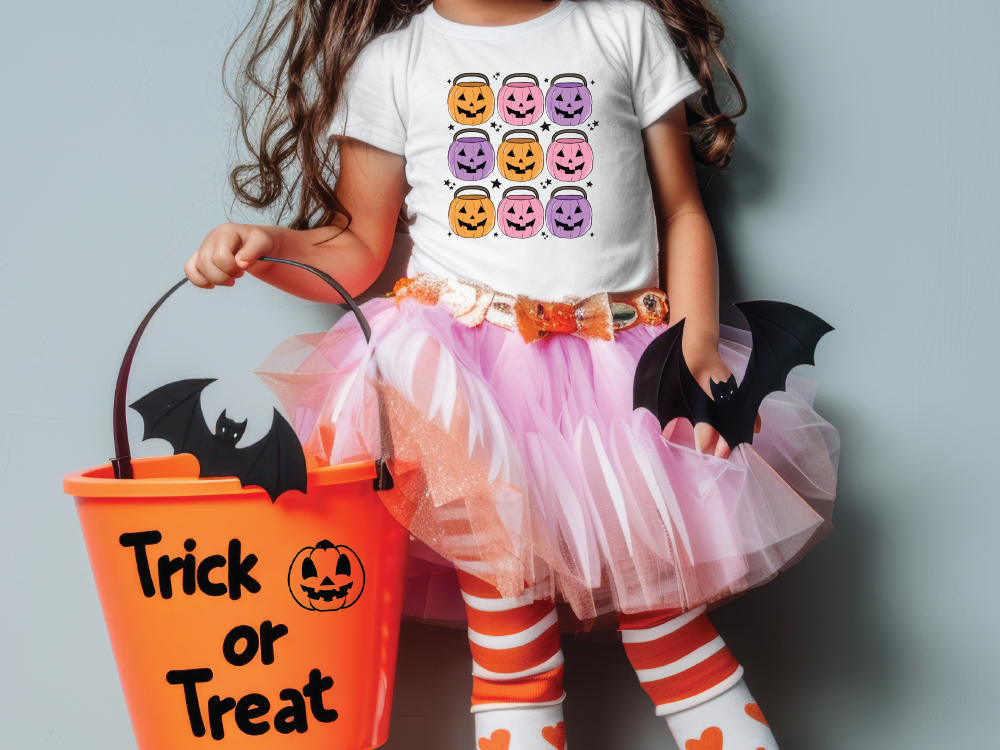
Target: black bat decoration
[783, 336]
[275, 463]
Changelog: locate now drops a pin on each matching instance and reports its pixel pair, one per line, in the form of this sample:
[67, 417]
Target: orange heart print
[711, 739]
[499, 740]
[555, 736]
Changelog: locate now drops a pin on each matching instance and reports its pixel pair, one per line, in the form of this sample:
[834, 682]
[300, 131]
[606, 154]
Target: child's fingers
[194, 275]
[722, 448]
[709, 441]
[210, 271]
[705, 437]
[757, 424]
[256, 244]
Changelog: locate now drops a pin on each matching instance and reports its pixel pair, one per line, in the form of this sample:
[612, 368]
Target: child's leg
[694, 681]
[516, 669]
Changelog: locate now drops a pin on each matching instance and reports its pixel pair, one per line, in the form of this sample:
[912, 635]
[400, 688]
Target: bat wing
[664, 384]
[275, 463]
[173, 413]
[784, 336]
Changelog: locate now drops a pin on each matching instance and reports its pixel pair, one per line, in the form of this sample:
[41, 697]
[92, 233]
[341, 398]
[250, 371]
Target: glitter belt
[599, 316]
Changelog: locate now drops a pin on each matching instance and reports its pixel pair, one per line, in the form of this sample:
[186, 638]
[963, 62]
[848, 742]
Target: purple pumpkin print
[520, 216]
[569, 215]
[569, 158]
[470, 157]
[520, 102]
[568, 103]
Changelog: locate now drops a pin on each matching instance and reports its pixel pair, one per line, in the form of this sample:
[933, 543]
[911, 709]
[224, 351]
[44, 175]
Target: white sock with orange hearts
[730, 721]
[531, 728]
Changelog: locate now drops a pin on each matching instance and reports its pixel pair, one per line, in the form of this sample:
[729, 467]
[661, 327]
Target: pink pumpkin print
[520, 102]
[520, 216]
[569, 158]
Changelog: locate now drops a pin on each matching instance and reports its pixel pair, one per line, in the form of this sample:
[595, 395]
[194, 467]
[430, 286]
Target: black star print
[495, 183]
[495, 234]
[590, 184]
[449, 234]
[591, 83]
[546, 80]
[449, 80]
[451, 127]
[545, 236]
[591, 234]
[496, 75]
[596, 123]
[545, 126]
[447, 183]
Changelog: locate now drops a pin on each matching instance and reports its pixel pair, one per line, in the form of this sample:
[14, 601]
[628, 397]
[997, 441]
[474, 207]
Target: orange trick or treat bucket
[238, 621]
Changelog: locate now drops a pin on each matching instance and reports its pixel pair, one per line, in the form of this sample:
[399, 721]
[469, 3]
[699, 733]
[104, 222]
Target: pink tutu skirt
[526, 465]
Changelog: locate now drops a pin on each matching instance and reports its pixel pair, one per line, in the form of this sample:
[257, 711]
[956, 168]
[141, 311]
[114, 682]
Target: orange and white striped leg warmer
[517, 669]
[694, 680]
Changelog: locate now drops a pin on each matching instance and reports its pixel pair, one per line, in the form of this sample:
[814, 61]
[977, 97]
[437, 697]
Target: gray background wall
[865, 189]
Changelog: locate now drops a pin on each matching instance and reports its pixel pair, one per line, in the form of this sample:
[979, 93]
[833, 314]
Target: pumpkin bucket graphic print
[520, 159]
[520, 102]
[569, 156]
[326, 577]
[520, 216]
[470, 157]
[470, 102]
[569, 216]
[569, 102]
[471, 215]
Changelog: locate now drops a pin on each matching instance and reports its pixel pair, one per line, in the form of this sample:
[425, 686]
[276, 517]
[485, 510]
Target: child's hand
[226, 253]
[706, 365]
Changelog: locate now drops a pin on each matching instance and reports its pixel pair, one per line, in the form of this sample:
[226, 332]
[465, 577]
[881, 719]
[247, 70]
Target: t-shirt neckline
[487, 33]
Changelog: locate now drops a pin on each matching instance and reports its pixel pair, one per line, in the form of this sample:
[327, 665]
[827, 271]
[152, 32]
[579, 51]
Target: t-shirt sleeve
[372, 105]
[660, 77]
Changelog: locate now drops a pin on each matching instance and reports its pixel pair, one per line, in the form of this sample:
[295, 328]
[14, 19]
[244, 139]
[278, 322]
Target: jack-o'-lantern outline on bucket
[327, 591]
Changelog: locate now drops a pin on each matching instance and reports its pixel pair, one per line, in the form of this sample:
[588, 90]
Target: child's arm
[689, 265]
[371, 185]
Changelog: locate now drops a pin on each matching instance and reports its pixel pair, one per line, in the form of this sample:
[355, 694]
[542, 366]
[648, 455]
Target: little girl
[545, 152]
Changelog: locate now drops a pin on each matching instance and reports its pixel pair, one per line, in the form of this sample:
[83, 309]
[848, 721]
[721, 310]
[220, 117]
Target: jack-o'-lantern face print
[520, 213]
[470, 102]
[569, 156]
[326, 577]
[568, 101]
[470, 156]
[520, 102]
[568, 215]
[520, 159]
[471, 213]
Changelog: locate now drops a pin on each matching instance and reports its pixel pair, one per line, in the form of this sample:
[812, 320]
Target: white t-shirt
[522, 143]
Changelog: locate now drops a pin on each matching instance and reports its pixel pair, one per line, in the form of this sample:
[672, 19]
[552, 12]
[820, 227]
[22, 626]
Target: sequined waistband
[598, 316]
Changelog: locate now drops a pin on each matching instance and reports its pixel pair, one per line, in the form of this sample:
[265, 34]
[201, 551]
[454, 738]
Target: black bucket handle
[122, 462]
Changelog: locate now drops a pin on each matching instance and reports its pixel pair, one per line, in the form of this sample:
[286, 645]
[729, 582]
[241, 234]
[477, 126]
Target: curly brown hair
[292, 59]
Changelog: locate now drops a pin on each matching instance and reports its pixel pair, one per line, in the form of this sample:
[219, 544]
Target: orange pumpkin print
[555, 736]
[711, 739]
[470, 102]
[499, 740]
[520, 159]
[471, 215]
